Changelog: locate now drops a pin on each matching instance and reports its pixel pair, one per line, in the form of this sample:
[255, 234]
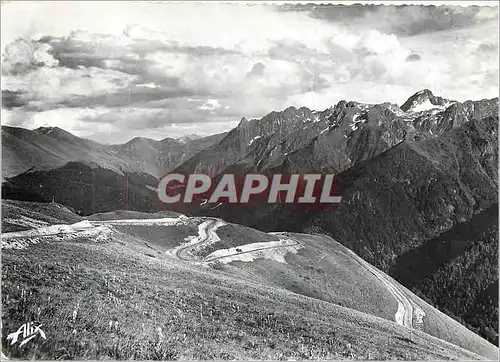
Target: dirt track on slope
[207, 234]
[404, 315]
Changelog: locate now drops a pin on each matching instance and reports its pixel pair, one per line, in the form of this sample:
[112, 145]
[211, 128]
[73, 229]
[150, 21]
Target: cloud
[22, 56]
[402, 20]
[12, 99]
[462, 63]
[152, 68]
[257, 70]
[48, 87]
[413, 20]
[413, 57]
[118, 125]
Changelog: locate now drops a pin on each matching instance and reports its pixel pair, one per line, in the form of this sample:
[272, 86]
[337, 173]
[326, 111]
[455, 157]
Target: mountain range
[49, 147]
[412, 179]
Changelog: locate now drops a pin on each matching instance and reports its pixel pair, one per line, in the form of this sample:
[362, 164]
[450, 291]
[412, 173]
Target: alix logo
[28, 331]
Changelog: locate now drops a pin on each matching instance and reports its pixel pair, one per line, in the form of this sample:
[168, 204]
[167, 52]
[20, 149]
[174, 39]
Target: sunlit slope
[112, 298]
[241, 277]
[24, 215]
[324, 269]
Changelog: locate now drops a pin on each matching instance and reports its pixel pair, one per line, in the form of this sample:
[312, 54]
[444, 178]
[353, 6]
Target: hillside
[421, 188]
[46, 147]
[86, 189]
[49, 147]
[25, 215]
[111, 289]
[457, 271]
[400, 199]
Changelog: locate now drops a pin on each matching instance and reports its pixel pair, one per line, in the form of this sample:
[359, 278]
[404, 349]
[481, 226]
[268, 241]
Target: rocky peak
[423, 101]
[243, 121]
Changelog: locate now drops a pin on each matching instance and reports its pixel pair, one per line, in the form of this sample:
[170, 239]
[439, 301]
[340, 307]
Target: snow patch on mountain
[355, 123]
[396, 110]
[323, 131]
[424, 106]
[254, 139]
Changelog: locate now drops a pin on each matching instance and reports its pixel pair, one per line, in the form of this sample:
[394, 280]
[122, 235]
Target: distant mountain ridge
[334, 139]
[294, 139]
[48, 147]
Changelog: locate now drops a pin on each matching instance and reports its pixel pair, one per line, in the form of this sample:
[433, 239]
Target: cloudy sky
[113, 71]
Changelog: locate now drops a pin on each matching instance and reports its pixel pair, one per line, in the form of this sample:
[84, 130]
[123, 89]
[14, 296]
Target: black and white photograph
[249, 180]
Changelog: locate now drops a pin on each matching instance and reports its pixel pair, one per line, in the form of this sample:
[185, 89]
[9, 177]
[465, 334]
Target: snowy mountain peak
[424, 100]
[425, 93]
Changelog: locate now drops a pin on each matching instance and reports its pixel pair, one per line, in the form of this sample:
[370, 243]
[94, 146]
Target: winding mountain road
[294, 243]
[405, 312]
[207, 234]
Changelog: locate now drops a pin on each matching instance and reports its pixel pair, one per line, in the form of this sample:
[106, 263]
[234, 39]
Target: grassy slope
[324, 270]
[320, 270]
[232, 235]
[86, 189]
[33, 213]
[22, 149]
[126, 214]
[110, 300]
[158, 237]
